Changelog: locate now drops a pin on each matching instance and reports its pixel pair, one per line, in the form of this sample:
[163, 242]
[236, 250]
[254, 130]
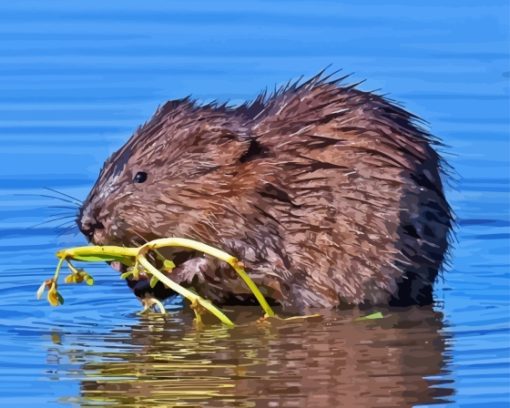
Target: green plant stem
[216, 253]
[184, 292]
[107, 250]
[57, 270]
[137, 255]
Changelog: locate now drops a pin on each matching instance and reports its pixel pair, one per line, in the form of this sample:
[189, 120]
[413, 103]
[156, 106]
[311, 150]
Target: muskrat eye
[140, 177]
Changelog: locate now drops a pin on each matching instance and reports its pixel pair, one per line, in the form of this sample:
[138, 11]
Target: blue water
[77, 78]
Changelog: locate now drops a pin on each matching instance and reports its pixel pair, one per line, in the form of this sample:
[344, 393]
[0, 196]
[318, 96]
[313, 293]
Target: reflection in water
[323, 363]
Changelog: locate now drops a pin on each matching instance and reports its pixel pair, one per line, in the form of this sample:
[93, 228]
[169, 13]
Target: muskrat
[331, 196]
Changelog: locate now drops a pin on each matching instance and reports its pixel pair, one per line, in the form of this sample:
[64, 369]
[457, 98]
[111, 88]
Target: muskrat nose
[88, 225]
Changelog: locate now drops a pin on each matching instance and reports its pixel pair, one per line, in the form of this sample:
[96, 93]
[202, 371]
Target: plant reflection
[395, 361]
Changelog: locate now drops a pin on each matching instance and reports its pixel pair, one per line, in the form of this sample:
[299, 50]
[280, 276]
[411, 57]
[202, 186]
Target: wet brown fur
[330, 195]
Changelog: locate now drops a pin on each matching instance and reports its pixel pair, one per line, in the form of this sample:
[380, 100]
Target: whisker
[135, 242]
[144, 240]
[65, 225]
[64, 213]
[48, 196]
[67, 230]
[58, 217]
[64, 194]
[68, 217]
[70, 207]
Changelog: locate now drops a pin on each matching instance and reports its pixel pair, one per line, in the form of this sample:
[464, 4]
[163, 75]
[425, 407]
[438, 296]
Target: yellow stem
[198, 317]
[255, 290]
[57, 270]
[149, 302]
[71, 267]
[156, 302]
[97, 250]
[137, 254]
[312, 316]
[184, 292]
[216, 253]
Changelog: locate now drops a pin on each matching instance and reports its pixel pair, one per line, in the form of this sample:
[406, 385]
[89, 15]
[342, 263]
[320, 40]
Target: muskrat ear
[254, 151]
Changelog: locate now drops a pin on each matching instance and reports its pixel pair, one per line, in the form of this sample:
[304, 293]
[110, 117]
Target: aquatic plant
[136, 259]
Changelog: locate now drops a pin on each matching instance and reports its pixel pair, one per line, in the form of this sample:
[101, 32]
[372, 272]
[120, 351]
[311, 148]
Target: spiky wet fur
[330, 195]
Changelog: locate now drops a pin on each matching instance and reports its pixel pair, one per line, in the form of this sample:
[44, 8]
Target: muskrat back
[330, 195]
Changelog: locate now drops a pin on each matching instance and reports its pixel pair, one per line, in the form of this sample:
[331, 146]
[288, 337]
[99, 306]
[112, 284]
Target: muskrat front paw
[194, 270]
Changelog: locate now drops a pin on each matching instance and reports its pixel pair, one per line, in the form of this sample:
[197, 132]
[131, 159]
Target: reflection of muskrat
[396, 362]
[329, 195]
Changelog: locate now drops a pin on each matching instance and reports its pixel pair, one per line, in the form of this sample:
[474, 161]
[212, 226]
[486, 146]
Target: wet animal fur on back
[330, 195]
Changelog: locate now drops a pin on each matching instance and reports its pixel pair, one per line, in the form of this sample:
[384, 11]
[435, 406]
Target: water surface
[77, 78]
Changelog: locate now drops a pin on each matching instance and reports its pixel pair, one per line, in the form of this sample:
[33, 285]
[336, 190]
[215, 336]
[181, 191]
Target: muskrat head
[166, 180]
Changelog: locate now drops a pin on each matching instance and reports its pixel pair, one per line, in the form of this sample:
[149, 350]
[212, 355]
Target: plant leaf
[168, 265]
[40, 291]
[53, 296]
[372, 316]
[153, 282]
[70, 278]
[126, 275]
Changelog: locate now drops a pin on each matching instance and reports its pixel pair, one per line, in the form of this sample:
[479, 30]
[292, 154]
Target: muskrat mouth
[140, 283]
[118, 266]
[178, 258]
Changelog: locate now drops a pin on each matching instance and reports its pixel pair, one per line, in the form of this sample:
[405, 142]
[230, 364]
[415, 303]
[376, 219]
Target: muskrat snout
[88, 224]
